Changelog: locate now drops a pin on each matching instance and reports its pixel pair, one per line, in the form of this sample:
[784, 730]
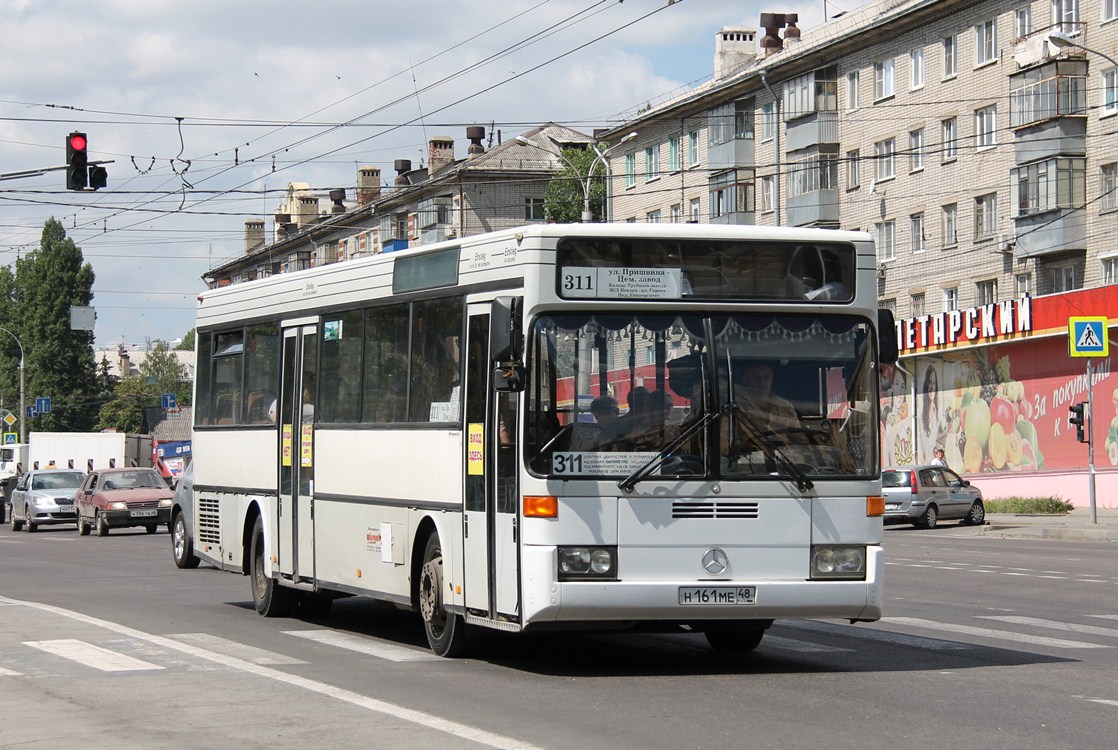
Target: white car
[45, 496]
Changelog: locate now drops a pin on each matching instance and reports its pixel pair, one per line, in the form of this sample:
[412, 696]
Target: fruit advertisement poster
[998, 409]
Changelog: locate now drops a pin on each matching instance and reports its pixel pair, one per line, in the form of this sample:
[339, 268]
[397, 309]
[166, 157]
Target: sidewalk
[1075, 526]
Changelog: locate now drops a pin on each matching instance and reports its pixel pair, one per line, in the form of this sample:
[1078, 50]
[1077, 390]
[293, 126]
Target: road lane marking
[803, 647]
[1104, 701]
[881, 636]
[9, 673]
[92, 656]
[235, 648]
[1070, 627]
[421, 718]
[1004, 635]
[368, 646]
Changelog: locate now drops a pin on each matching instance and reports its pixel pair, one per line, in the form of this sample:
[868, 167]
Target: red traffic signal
[77, 162]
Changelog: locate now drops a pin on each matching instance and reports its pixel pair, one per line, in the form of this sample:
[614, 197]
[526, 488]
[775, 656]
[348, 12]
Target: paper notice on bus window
[599, 464]
[306, 457]
[622, 283]
[475, 449]
[287, 445]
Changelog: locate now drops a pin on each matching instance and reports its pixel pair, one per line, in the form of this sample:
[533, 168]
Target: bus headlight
[838, 561]
[579, 563]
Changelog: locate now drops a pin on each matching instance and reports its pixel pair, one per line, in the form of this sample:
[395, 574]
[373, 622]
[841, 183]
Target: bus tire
[268, 596]
[446, 631]
[182, 546]
[740, 641]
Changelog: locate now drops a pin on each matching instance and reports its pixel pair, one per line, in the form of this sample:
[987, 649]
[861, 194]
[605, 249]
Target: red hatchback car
[118, 498]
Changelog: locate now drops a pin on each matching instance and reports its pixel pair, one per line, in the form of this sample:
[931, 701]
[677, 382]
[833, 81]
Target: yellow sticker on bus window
[475, 449]
[306, 445]
[286, 445]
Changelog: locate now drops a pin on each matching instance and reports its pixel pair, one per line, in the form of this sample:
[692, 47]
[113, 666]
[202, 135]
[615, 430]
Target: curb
[1078, 534]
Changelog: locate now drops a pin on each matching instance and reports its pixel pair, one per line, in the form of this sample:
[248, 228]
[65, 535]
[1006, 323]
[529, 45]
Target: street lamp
[22, 389]
[1064, 40]
[600, 156]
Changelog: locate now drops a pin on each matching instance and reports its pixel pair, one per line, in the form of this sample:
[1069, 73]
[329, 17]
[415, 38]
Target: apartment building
[976, 142]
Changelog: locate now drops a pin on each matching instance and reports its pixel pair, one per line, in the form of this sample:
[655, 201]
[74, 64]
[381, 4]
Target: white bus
[611, 426]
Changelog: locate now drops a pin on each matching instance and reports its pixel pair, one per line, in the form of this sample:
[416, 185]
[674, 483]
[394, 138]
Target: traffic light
[77, 162]
[1076, 417]
[98, 177]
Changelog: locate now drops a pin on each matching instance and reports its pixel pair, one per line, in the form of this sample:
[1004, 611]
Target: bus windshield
[741, 396]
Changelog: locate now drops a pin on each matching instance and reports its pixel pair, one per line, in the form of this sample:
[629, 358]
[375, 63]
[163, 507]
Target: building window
[916, 150]
[1109, 197]
[1023, 282]
[1048, 185]
[693, 148]
[694, 211]
[630, 170]
[812, 92]
[985, 215]
[652, 163]
[731, 193]
[1023, 22]
[676, 213]
[852, 88]
[673, 154]
[1065, 15]
[534, 209]
[950, 137]
[1109, 10]
[951, 224]
[883, 82]
[916, 232]
[918, 305]
[1063, 278]
[916, 68]
[853, 169]
[1052, 96]
[986, 126]
[985, 42]
[950, 56]
[730, 122]
[813, 173]
[951, 299]
[885, 233]
[652, 217]
[986, 292]
[1110, 270]
[767, 198]
[884, 159]
[1110, 91]
[768, 121]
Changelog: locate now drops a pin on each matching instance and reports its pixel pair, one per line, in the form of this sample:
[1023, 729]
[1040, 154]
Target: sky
[208, 109]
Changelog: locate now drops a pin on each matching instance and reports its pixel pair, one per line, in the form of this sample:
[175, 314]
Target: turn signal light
[541, 507]
[875, 506]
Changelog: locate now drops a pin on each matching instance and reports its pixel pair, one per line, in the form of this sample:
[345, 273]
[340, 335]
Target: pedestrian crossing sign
[1087, 337]
[11, 438]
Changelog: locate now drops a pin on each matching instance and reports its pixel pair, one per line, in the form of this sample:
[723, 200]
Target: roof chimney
[337, 196]
[254, 234]
[440, 152]
[308, 210]
[402, 166]
[476, 135]
[734, 48]
[772, 23]
[368, 185]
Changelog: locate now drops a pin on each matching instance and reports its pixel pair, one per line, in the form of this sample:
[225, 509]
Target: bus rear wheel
[268, 596]
[736, 640]
[446, 631]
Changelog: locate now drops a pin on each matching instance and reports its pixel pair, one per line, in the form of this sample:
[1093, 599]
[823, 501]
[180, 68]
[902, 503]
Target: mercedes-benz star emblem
[715, 561]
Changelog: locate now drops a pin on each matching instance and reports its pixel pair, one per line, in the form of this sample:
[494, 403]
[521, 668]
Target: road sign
[42, 405]
[1087, 337]
[31, 412]
[169, 401]
[9, 419]
[11, 438]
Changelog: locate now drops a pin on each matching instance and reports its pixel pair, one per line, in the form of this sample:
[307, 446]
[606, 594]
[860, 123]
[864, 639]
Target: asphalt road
[988, 643]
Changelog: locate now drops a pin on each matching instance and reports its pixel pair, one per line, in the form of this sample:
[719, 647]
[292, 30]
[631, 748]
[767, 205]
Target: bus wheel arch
[446, 631]
[269, 596]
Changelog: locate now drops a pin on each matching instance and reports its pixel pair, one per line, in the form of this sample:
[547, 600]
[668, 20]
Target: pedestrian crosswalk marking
[1070, 627]
[250, 654]
[882, 636]
[369, 646]
[803, 647]
[9, 673]
[92, 656]
[1005, 635]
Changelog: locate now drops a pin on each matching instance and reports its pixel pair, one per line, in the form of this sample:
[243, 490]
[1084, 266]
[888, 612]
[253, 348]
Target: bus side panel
[221, 459]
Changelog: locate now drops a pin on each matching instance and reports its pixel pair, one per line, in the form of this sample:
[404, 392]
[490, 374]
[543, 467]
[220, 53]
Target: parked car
[182, 536]
[925, 495]
[45, 497]
[119, 498]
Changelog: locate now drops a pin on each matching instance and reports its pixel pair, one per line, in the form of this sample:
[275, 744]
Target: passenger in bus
[590, 436]
[630, 421]
[650, 429]
[755, 396]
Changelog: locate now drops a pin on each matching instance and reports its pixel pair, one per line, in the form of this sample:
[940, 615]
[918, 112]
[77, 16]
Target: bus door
[491, 533]
[296, 471]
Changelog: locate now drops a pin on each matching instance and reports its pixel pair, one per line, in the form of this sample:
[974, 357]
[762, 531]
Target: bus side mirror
[886, 337]
[508, 377]
[506, 339]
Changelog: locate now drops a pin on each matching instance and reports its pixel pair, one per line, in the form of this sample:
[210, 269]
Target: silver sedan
[45, 497]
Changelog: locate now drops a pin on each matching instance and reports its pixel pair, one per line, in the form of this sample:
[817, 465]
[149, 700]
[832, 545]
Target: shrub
[1029, 505]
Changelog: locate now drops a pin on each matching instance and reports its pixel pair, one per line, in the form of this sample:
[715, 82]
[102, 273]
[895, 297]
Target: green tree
[125, 412]
[166, 372]
[187, 343]
[59, 360]
[566, 190]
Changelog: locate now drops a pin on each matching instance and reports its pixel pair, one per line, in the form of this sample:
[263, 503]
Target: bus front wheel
[269, 597]
[446, 631]
[736, 640]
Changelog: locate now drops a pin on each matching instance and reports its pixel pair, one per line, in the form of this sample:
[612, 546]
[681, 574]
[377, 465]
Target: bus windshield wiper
[772, 452]
[628, 483]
